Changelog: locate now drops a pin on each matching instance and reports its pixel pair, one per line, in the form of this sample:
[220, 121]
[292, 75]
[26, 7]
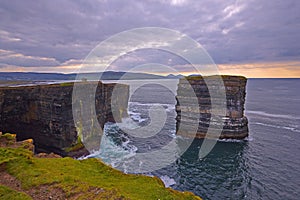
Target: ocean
[266, 165]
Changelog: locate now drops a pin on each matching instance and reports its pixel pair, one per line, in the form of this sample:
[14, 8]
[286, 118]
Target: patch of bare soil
[42, 192]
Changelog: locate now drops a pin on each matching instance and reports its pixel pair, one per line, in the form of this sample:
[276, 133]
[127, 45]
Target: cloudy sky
[255, 38]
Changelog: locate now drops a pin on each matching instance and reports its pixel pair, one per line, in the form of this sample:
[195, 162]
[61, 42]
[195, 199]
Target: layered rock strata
[44, 112]
[198, 120]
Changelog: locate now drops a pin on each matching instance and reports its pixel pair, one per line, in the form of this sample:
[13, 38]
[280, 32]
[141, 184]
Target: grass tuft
[8, 193]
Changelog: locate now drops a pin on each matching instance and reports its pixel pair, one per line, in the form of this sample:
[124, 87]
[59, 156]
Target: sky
[254, 38]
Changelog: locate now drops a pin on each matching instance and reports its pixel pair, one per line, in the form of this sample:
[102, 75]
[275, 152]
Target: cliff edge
[44, 113]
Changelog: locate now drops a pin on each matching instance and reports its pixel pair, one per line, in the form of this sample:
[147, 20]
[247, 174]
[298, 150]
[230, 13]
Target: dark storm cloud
[231, 31]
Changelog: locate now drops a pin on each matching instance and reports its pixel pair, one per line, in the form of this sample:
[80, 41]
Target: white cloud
[18, 59]
[232, 10]
[6, 36]
[237, 25]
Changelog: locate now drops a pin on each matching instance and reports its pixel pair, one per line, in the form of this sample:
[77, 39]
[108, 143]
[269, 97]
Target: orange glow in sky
[286, 69]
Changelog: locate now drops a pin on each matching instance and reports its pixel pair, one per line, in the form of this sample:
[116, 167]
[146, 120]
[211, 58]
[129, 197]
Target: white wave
[130, 112]
[249, 138]
[136, 116]
[127, 123]
[173, 133]
[233, 140]
[168, 107]
[167, 180]
[293, 129]
[261, 113]
[112, 153]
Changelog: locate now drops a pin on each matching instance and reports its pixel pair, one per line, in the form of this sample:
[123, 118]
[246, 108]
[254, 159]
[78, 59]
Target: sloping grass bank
[75, 179]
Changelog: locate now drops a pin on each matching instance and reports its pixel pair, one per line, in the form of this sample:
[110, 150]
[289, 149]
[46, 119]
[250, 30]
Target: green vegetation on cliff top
[8, 193]
[228, 77]
[76, 179]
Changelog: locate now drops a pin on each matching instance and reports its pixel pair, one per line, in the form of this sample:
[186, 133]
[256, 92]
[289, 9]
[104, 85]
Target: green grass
[199, 77]
[8, 193]
[81, 176]
[76, 146]
[66, 84]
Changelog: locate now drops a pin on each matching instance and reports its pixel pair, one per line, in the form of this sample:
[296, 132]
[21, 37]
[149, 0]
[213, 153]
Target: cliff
[233, 125]
[44, 113]
[48, 176]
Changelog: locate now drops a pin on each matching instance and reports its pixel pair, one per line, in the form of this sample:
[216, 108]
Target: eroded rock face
[44, 112]
[231, 125]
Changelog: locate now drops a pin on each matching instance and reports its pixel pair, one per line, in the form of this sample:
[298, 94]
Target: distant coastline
[107, 75]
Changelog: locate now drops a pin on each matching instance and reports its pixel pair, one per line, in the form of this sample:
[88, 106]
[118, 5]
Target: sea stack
[230, 124]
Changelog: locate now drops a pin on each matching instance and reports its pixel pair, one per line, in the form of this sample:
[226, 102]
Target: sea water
[266, 165]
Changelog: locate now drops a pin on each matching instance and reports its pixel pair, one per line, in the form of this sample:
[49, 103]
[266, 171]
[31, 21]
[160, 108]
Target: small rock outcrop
[44, 113]
[233, 125]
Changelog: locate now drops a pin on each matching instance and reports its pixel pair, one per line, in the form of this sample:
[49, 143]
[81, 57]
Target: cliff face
[233, 125]
[44, 113]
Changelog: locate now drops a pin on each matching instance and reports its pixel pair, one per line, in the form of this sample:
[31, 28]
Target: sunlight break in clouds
[289, 69]
[177, 2]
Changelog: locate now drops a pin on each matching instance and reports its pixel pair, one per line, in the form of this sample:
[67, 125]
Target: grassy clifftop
[28, 176]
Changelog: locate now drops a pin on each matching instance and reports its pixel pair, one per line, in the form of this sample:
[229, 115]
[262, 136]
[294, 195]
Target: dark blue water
[264, 166]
